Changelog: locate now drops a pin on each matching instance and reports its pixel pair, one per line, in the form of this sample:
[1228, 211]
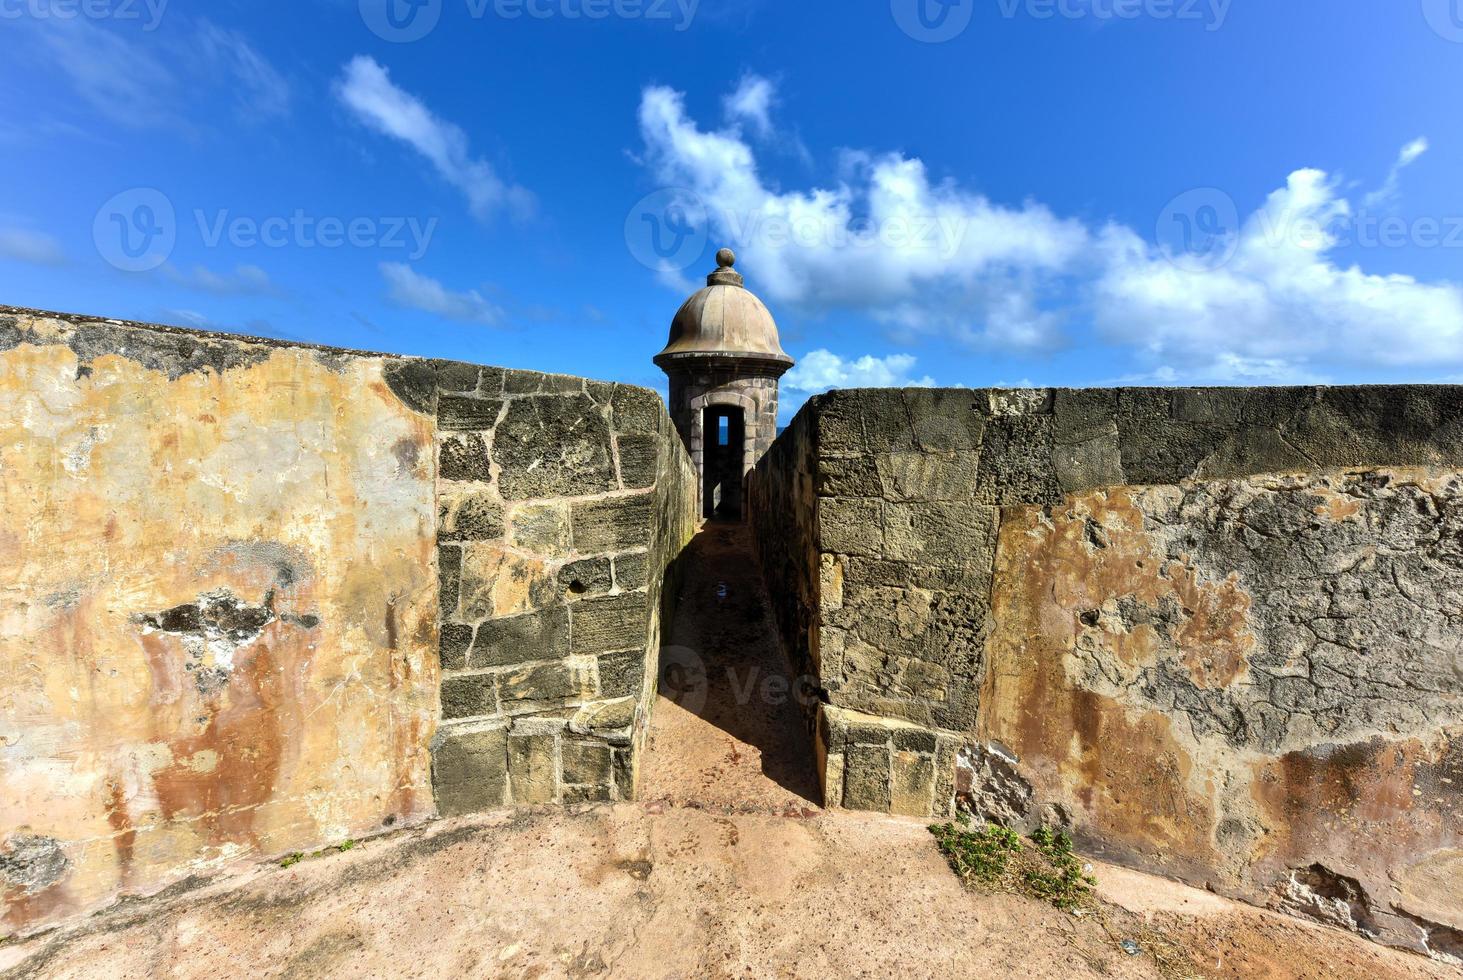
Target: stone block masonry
[561, 502]
[1214, 633]
[259, 597]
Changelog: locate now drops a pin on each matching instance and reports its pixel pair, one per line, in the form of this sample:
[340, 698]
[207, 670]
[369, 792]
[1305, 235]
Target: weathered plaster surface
[217, 607]
[260, 597]
[1254, 684]
[1267, 703]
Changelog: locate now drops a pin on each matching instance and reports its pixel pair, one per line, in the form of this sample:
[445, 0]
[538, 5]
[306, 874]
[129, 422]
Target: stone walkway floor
[649, 890]
[727, 733]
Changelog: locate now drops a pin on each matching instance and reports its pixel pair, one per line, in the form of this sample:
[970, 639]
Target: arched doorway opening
[724, 437]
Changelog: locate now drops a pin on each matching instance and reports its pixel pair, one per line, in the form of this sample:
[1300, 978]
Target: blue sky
[1063, 192]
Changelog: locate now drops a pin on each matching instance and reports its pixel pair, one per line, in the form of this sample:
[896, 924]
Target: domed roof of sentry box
[724, 320]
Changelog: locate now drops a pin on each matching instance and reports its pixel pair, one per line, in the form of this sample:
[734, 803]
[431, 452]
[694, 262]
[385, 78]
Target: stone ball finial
[726, 325]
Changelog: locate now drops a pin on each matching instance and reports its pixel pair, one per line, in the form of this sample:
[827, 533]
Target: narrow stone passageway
[728, 732]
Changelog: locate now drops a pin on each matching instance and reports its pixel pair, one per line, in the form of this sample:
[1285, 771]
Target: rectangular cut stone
[587, 794]
[468, 697]
[622, 675]
[472, 516]
[940, 533]
[553, 446]
[473, 414]
[586, 763]
[590, 577]
[616, 524]
[866, 778]
[540, 528]
[632, 571]
[639, 456]
[498, 582]
[533, 768]
[464, 458]
[929, 476]
[542, 635]
[624, 774]
[912, 784]
[546, 682]
[636, 410]
[851, 526]
[449, 579]
[470, 771]
[455, 376]
[848, 476]
[612, 623]
[945, 419]
[455, 640]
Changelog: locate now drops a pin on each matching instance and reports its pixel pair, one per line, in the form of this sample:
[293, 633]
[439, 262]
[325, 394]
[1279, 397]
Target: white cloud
[31, 246]
[410, 289]
[886, 239]
[121, 78]
[1390, 187]
[822, 370]
[752, 103]
[367, 90]
[1281, 305]
[244, 280]
[260, 92]
[1285, 308]
[135, 80]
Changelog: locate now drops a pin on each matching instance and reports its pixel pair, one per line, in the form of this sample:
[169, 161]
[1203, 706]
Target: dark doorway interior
[724, 441]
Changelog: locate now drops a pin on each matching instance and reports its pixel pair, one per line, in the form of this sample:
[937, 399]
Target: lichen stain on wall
[1244, 681]
[217, 614]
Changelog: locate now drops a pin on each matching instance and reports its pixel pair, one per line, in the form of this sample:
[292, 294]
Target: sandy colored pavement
[643, 890]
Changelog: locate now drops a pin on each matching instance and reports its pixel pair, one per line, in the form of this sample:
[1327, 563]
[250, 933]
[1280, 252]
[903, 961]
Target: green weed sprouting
[996, 858]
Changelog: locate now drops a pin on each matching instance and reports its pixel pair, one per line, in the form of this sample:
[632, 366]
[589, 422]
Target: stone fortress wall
[1214, 633]
[258, 598]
